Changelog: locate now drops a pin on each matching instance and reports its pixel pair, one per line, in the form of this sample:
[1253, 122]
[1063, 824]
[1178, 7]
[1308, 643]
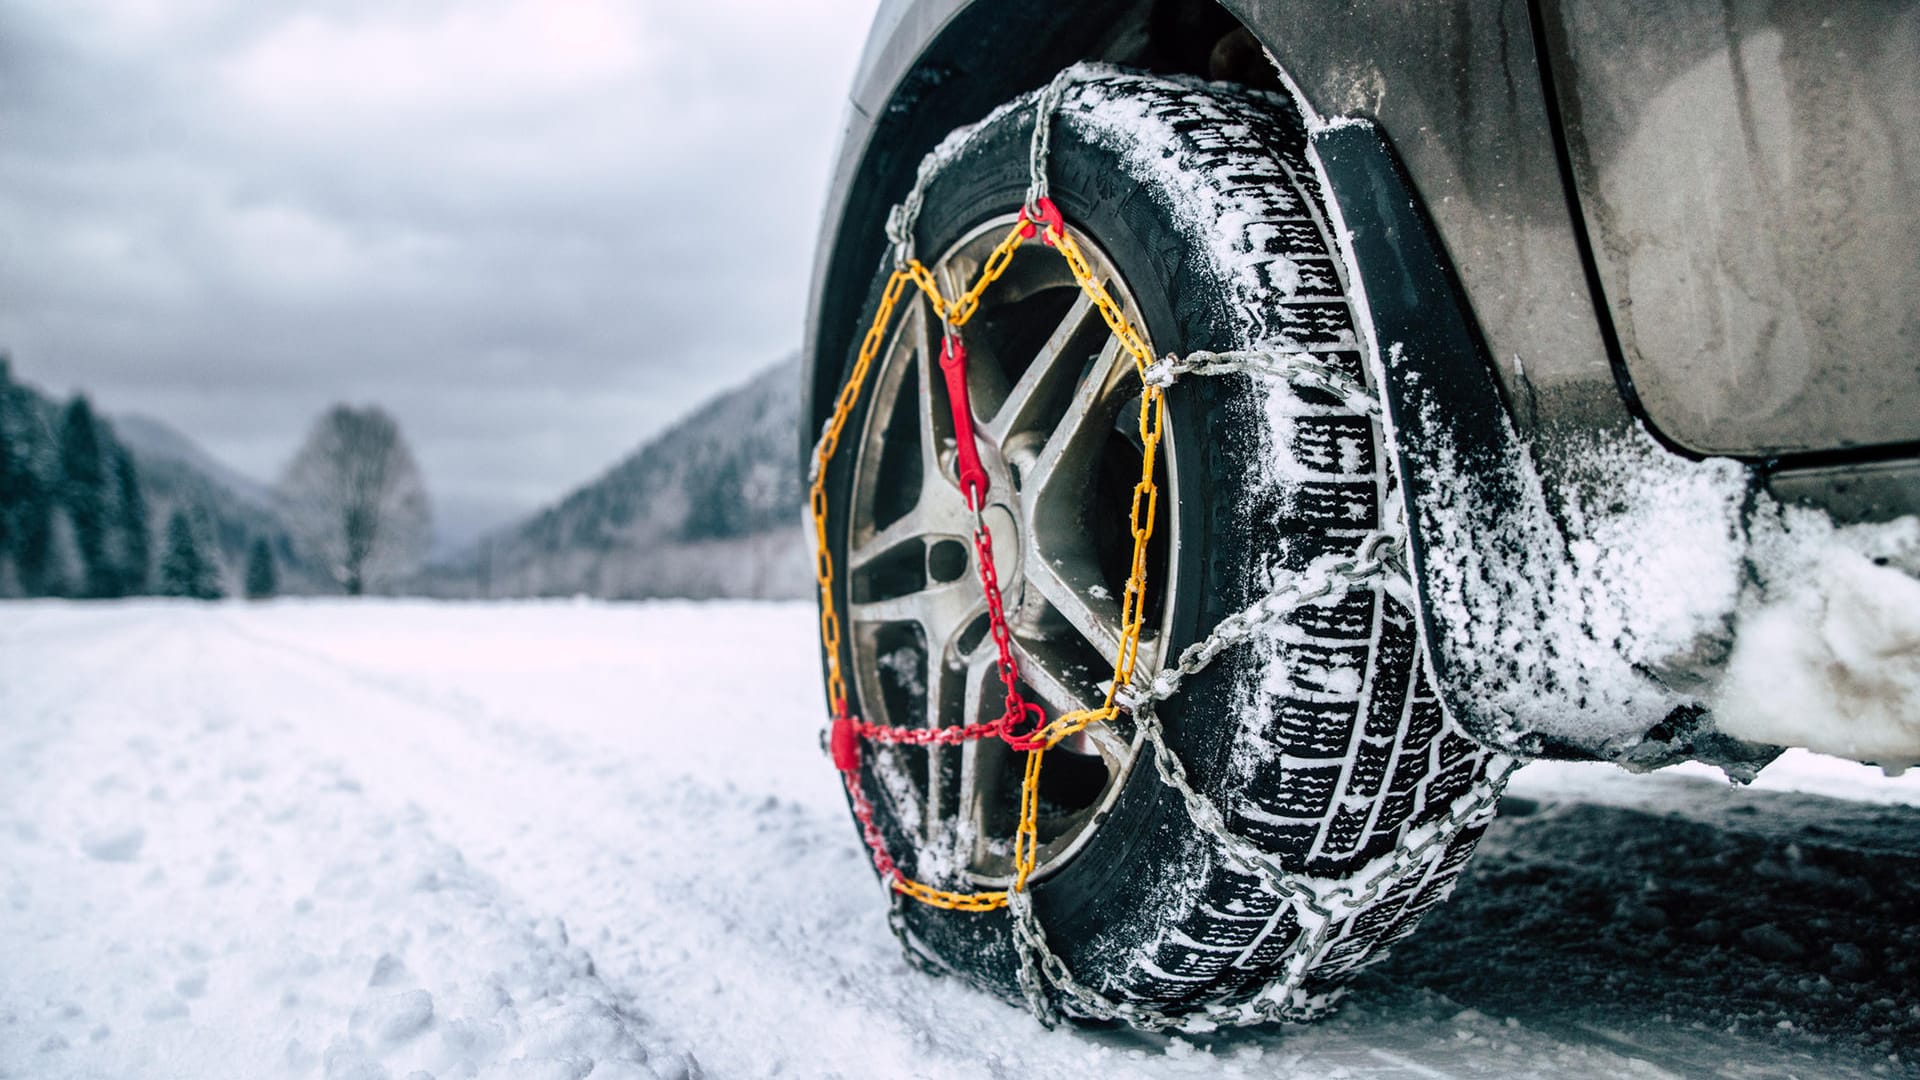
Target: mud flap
[1436, 382]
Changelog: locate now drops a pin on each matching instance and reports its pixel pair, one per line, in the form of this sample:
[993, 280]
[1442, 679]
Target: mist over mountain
[179, 472]
[709, 508]
[153, 441]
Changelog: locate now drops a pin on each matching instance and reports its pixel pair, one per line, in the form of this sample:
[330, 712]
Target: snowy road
[315, 839]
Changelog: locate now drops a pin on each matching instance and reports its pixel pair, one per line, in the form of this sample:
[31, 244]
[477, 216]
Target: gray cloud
[535, 232]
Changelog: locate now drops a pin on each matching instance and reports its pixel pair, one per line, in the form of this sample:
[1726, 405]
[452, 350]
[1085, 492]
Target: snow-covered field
[569, 840]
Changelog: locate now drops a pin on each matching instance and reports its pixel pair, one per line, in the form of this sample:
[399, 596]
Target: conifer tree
[131, 522]
[13, 464]
[263, 577]
[26, 500]
[83, 491]
[185, 569]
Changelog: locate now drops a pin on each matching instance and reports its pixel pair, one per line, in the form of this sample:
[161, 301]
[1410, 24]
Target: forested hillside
[88, 512]
[709, 508]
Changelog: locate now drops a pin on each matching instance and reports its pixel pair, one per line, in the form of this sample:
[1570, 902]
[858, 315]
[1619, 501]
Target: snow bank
[1828, 653]
[1638, 582]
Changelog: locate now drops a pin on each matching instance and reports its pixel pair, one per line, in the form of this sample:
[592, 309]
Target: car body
[1693, 220]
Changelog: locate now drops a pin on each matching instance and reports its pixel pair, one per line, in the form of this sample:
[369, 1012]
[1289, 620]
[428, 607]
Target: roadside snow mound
[1828, 654]
[1637, 582]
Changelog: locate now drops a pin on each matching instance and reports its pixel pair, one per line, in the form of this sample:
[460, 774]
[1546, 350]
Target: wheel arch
[1459, 143]
[1455, 88]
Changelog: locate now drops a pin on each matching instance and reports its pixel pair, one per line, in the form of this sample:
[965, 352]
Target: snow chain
[1318, 907]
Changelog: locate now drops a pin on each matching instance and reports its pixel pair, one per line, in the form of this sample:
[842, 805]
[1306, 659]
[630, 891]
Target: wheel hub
[1054, 400]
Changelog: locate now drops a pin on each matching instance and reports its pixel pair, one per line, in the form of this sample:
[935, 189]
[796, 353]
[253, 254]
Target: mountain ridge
[709, 508]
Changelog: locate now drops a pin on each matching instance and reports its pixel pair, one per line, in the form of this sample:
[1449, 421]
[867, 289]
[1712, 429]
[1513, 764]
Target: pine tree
[83, 491]
[136, 548]
[26, 501]
[12, 462]
[34, 539]
[184, 569]
[263, 577]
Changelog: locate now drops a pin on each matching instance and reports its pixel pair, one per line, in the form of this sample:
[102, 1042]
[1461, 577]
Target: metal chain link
[1378, 560]
[1317, 914]
[906, 213]
[1303, 369]
[1041, 143]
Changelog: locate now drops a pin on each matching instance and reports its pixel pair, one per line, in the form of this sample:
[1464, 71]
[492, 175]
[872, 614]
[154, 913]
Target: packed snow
[571, 840]
[1837, 635]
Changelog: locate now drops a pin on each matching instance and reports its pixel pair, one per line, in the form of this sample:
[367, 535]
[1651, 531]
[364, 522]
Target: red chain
[1017, 708]
[848, 730]
[862, 809]
[906, 736]
[973, 484]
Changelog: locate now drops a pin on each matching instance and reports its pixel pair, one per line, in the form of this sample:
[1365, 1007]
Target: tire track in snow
[746, 919]
[585, 810]
[266, 917]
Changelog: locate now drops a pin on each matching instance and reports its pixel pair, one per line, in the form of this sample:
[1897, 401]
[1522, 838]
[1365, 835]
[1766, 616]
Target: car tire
[1322, 742]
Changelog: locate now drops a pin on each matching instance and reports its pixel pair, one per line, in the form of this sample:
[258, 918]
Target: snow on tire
[1322, 741]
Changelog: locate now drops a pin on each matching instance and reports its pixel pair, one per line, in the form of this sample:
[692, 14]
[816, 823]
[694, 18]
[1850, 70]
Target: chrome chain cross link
[906, 213]
[1302, 369]
[1327, 577]
[1319, 908]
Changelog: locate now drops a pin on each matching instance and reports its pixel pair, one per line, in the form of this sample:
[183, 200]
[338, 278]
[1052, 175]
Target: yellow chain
[954, 314]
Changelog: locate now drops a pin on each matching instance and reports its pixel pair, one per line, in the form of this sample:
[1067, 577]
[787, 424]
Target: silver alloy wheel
[1055, 401]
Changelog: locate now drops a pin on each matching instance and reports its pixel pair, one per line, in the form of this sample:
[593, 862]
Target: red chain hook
[973, 484]
[1043, 218]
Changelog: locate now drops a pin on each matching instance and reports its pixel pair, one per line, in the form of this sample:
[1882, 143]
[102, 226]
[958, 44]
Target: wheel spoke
[1079, 435]
[1069, 589]
[1106, 742]
[1060, 684]
[975, 799]
[941, 611]
[930, 520]
[1053, 362]
[939, 676]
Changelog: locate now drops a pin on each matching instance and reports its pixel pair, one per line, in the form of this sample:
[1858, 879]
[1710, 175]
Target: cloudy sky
[536, 232]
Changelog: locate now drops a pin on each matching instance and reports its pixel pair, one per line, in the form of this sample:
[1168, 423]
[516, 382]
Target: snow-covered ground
[568, 840]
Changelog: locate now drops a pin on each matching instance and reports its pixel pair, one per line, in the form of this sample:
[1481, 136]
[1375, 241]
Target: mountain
[709, 508]
[177, 471]
[154, 440]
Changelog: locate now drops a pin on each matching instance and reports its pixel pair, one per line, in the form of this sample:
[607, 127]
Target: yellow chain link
[954, 314]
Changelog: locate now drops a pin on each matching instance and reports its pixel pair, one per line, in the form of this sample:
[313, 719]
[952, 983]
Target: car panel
[1455, 89]
[1748, 174]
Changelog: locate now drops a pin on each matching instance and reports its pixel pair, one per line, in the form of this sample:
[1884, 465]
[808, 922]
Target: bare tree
[355, 496]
